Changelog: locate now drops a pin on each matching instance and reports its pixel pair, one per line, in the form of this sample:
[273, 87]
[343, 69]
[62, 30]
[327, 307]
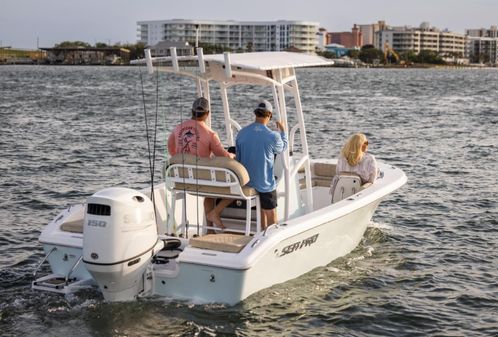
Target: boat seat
[212, 177]
[224, 242]
[323, 173]
[75, 226]
[347, 184]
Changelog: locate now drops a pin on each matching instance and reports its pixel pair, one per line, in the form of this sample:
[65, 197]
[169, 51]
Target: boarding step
[59, 284]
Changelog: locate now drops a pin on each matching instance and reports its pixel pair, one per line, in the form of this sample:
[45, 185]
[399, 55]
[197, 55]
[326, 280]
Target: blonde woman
[355, 159]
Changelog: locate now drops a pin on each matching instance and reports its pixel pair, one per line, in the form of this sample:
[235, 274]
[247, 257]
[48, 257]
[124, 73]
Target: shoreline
[364, 66]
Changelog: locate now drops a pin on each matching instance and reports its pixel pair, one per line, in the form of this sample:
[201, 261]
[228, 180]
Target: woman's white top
[366, 169]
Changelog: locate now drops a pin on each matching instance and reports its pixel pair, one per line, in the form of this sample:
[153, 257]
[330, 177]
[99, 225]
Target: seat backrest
[347, 184]
[323, 174]
[218, 175]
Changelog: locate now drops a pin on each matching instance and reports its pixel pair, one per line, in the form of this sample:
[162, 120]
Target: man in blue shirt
[256, 147]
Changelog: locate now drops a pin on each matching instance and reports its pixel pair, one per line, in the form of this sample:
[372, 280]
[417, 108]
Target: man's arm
[217, 148]
[172, 144]
[281, 139]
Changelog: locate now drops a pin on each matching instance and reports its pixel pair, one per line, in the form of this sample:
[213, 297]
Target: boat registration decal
[298, 245]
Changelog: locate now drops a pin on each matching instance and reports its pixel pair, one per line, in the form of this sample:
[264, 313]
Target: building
[337, 49]
[482, 32]
[483, 50]
[250, 36]
[482, 45]
[424, 37]
[368, 32]
[162, 48]
[351, 39]
[322, 38]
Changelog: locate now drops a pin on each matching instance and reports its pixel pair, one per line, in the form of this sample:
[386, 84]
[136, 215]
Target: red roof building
[347, 39]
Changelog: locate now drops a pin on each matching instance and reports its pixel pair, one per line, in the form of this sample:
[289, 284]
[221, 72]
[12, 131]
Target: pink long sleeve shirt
[196, 138]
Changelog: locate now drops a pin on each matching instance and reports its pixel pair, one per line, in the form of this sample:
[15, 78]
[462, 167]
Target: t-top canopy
[270, 60]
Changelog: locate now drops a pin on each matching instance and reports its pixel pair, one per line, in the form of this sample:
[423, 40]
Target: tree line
[367, 54]
[371, 55]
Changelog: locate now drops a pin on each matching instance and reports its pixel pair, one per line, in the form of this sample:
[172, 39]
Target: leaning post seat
[221, 177]
[345, 185]
[322, 174]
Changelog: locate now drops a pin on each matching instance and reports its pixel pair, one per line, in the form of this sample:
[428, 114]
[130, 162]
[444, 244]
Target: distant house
[87, 56]
[338, 49]
[163, 48]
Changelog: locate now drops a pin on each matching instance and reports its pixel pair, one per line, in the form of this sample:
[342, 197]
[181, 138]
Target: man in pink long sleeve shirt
[195, 137]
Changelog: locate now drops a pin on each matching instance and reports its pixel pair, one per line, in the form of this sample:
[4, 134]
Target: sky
[43, 23]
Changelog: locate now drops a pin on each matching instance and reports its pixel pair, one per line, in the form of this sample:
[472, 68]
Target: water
[426, 267]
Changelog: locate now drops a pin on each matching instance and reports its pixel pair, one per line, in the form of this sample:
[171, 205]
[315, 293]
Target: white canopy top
[270, 60]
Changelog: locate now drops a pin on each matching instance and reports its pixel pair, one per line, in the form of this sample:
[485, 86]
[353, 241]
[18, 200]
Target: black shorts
[268, 200]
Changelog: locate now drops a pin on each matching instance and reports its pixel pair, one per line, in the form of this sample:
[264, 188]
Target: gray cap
[264, 106]
[200, 106]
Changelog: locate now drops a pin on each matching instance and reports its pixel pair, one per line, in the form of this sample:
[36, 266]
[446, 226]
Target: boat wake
[378, 225]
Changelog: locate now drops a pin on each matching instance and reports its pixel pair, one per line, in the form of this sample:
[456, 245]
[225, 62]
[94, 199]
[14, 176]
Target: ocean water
[427, 265]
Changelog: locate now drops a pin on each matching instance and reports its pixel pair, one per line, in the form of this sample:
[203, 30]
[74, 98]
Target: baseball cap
[200, 106]
[264, 106]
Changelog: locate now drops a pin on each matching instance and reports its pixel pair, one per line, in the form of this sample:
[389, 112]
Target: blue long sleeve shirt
[257, 146]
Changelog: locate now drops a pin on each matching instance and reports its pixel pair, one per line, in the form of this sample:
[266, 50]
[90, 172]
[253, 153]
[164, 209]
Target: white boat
[128, 244]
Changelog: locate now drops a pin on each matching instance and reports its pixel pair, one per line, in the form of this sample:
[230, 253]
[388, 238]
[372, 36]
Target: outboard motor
[119, 239]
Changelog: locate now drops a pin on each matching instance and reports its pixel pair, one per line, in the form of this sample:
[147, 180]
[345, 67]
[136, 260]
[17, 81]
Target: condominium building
[321, 38]
[483, 45]
[252, 36]
[483, 50]
[368, 31]
[422, 38]
[482, 32]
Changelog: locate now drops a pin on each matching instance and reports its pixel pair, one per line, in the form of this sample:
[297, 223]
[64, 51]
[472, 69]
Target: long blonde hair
[352, 149]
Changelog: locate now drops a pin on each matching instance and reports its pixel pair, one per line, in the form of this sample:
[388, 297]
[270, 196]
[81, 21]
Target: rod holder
[174, 58]
[200, 57]
[148, 61]
[228, 65]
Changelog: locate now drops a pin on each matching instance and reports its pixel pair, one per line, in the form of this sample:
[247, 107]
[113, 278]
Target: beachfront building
[482, 32]
[352, 39]
[482, 45]
[163, 48]
[483, 50]
[249, 36]
[321, 38]
[337, 49]
[425, 37]
[368, 31]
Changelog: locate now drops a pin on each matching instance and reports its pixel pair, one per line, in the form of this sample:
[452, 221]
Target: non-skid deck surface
[224, 242]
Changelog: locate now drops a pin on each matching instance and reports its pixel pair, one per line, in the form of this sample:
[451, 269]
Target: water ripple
[426, 266]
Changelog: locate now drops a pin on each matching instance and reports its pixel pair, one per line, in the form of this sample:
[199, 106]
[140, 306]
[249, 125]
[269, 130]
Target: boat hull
[211, 275]
[287, 258]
